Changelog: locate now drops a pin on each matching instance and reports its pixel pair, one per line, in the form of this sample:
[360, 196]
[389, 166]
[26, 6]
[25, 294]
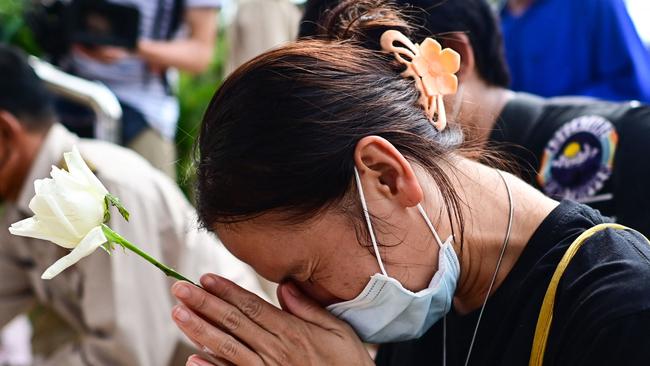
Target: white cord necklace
[494, 277]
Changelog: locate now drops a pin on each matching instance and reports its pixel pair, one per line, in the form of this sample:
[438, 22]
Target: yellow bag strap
[546, 313]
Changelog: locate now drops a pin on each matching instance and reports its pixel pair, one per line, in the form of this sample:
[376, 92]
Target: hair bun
[364, 22]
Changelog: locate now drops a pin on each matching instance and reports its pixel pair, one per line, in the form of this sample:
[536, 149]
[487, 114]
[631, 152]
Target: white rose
[68, 211]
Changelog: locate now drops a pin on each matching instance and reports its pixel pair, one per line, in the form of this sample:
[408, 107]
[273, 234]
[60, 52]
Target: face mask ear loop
[429, 224]
[367, 216]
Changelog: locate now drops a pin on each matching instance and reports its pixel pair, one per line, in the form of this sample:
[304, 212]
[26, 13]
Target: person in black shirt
[600, 317]
[586, 150]
[581, 149]
[319, 168]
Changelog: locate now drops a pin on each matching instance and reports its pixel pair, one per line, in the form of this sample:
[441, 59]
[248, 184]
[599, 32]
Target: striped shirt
[130, 79]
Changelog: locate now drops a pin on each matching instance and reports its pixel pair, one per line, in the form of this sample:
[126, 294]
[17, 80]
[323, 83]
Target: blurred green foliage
[13, 29]
[194, 94]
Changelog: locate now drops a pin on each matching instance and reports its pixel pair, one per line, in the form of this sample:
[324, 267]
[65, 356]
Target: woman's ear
[384, 172]
[459, 42]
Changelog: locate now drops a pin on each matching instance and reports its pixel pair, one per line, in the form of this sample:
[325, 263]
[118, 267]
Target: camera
[101, 23]
[59, 24]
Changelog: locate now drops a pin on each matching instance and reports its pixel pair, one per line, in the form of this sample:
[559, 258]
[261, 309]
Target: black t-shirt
[589, 151]
[601, 314]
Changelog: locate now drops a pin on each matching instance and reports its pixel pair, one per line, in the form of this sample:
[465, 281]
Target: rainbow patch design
[578, 159]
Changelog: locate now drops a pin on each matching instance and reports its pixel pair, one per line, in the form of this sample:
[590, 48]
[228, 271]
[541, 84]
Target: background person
[258, 26]
[150, 110]
[348, 194]
[584, 150]
[112, 310]
[575, 47]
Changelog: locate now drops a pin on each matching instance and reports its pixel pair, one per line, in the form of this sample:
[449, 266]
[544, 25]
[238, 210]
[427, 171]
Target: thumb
[295, 302]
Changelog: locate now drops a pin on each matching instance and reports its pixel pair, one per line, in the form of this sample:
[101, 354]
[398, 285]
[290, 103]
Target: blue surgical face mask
[385, 311]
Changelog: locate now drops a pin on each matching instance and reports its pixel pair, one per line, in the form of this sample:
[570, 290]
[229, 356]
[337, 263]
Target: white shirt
[119, 306]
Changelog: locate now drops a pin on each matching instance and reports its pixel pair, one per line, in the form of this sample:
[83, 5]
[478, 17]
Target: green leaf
[114, 201]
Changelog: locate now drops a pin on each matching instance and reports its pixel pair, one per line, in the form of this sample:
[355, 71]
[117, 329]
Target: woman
[329, 169]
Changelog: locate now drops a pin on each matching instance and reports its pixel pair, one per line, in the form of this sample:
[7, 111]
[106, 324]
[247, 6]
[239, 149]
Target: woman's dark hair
[437, 17]
[280, 134]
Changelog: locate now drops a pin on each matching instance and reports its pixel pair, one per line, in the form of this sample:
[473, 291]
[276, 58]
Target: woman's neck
[486, 212]
[480, 107]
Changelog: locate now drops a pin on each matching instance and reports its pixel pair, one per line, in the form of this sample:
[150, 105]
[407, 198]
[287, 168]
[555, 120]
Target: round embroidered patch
[578, 160]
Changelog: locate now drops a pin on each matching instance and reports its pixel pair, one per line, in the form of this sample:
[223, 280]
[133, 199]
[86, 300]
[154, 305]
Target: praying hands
[236, 327]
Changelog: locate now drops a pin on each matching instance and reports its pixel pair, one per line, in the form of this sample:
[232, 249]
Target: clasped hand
[236, 327]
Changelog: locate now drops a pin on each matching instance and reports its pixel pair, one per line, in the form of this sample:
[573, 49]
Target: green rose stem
[116, 238]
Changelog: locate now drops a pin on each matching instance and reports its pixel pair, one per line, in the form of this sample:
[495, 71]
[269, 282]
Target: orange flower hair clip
[432, 68]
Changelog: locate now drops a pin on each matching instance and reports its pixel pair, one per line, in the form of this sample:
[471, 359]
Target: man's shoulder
[561, 119]
[562, 107]
[613, 126]
[121, 168]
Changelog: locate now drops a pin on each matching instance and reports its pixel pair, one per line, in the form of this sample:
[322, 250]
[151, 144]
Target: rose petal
[39, 202]
[36, 229]
[44, 186]
[78, 167]
[87, 246]
[430, 49]
[45, 205]
[41, 208]
[65, 179]
[84, 209]
[450, 60]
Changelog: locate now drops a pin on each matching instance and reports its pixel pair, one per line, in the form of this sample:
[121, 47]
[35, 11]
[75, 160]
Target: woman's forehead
[258, 245]
[288, 248]
[281, 223]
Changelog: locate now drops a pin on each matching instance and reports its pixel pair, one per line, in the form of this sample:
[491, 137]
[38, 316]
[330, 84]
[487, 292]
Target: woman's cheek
[318, 293]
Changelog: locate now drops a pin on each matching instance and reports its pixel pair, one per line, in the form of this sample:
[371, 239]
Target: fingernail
[182, 291]
[208, 281]
[182, 315]
[194, 360]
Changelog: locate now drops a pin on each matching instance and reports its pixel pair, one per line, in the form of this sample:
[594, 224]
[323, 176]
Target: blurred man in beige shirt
[114, 309]
[258, 26]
